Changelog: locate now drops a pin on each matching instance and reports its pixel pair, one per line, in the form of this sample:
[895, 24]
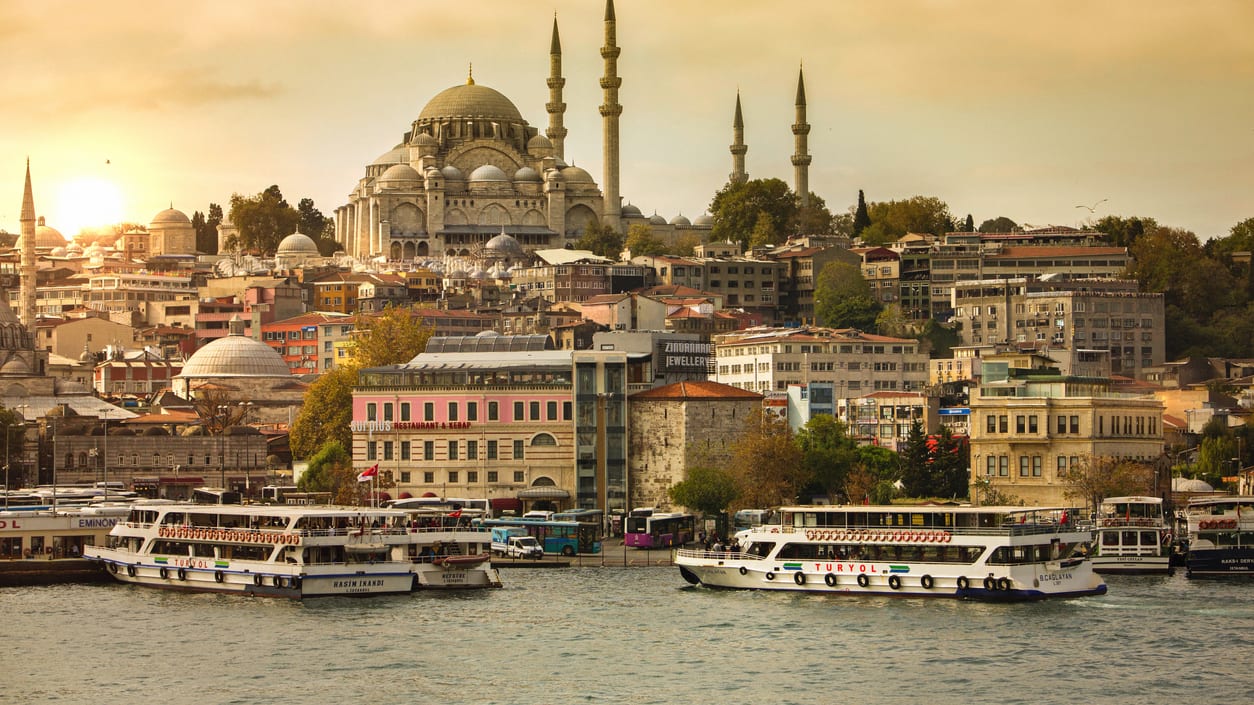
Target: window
[493, 411]
[1036, 466]
[428, 411]
[518, 411]
[372, 411]
[1003, 424]
[452, 476]
[1062, 466]
[535, 410]
[372, 450]
[566, 413]
[990, 466]
[1003, 466]
[520, 476]
[428, 450]
[550, 411]
[472, 476]
[405, 450]
[1075, 424]
[452, 450]
[428, 477]
[387, 450]
[405, 476]
[1062, 424]
[991, 425]
[472, 411]
[1023, 466]
[405, 411]
[387, 412]
[492, 476]
[491, 450]
[452, 411]
[518, 450]
[1032, 424]
[1021, 425]
[472, 450]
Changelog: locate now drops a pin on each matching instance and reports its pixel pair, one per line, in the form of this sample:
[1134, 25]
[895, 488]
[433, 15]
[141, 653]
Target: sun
[87, 202]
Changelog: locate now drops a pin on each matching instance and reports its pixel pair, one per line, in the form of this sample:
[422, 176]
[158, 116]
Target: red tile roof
[695, 390]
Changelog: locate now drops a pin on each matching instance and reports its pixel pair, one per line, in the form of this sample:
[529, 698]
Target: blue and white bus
[565, 537]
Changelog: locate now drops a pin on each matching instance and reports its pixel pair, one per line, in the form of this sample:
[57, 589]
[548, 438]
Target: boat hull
[1074, 579]
[1217, 562]
[1132, 565]
[456, 576]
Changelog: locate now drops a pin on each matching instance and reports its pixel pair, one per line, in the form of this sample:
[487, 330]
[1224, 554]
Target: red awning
[505, 504]
[181, 480]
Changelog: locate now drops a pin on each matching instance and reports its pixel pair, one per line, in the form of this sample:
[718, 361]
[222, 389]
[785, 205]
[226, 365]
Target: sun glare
[87, 202]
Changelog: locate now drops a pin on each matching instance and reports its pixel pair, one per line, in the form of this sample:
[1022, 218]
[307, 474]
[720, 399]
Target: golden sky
[1022, 109]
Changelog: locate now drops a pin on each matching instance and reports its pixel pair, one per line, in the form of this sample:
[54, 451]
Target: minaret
[28, 256]
[801, 156]
[610, 110]
[738, 147]
[555, 107]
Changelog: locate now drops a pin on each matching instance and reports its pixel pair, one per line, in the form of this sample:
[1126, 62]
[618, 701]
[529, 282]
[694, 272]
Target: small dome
[433, 173]
[630, 211]
[168, 217]
[539, 142]
[424, 140]
[58, 252]
[457, 274]
[297, 244]
[553, 175]
[504, 245]
[396, 155]
[400, 172]
[452, 173]
[235, 356]
[705, 219]
[656, 219]
[488, 172]
[575, 175]
[527, 174]
[15, 366]
[1184, 484]
[49, 237]
[680, 220]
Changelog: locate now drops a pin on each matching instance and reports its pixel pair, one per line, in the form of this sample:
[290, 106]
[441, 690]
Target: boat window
[1110, 538]
[1129, 538]
[1149, 538]
[170, 548]
[202, 550]
[1020, 555]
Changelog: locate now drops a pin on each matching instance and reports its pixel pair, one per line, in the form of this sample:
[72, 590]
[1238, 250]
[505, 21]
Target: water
[636, 635]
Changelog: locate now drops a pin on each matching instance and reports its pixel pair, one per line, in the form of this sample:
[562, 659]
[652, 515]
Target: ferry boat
[987, 553]
[290, 551]
[1220, 536]
[1132, 536]
[36, 532]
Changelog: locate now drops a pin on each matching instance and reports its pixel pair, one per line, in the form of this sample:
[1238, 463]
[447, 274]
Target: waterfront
[639, 635]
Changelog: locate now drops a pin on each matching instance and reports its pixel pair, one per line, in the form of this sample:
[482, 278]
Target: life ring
[218, 576]
[946, 537]
[296, 583]
[770, 575]
[257, 579]
[182, 574]
[894, 582]
[113, 568]
[165, 573]
[130, 570]
[277, 581]
[1003, 584]
[830, 579]
[48, 550]
[799, 578]
[744, 570]
[990, 583]
[1203, 524]
[927, 582]
[863, 580]
[963, 583]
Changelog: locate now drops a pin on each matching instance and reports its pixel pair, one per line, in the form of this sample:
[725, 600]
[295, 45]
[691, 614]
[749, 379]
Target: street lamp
[223, 409]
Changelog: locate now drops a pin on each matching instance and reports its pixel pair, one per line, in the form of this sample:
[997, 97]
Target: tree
[392, 337]
[1123, 232]
[263, 221]
[876, 472]
[642, 241]
[861, 218]
[219, 410]
[707, 489]
[207, 229]
[1000, 224]
[737, 208]
[827, 453]
[764, 232]
[917, 214]
[968, 225]
[326, 413]
[815, 218]
[915, 463]
[684, 245]
[892, 321]
[1100, 477]
[843, 299]
[766, 462]
[601, 240]
[1173, 262]
[950, 461]
[331, 470]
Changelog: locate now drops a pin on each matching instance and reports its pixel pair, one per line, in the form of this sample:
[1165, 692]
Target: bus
[591, 517]
[565, 537]
[649, 528]
[480, 507]
[277, 494]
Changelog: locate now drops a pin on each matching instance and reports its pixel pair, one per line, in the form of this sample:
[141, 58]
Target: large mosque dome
[169, 217]
[471, 101]
[235, 356]
[297, 243]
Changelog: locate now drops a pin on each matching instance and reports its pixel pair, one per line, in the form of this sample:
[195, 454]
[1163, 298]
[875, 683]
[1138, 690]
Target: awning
[505, 504]
[543, 493]
[181, 480]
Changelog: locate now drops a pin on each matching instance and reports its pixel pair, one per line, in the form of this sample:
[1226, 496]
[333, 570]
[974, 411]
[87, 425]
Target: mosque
[470, 169]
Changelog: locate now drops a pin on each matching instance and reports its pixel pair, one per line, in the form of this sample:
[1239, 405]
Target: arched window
[543, 439]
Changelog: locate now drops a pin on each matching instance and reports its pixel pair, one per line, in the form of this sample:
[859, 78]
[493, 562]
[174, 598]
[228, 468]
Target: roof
[563, 256]
[1048, 251]
[235, 356]
[693, 390]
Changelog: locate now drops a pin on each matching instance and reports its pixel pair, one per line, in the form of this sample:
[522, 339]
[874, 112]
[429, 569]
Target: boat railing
[1110, 522]
[718, 555]
[1015, 529]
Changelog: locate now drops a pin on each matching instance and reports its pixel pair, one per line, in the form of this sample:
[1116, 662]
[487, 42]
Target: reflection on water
[628, 635]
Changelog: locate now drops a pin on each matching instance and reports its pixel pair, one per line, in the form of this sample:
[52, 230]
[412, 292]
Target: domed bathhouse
[295, 251]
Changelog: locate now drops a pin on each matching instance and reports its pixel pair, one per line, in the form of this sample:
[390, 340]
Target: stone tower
[610, 111]
[555, 107]
[28, 255]
[738, 147]
[801, 156]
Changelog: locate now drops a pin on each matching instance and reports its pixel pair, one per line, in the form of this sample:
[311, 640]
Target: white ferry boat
[1220, 536]
[289, 551]
[1132, 536]
[990, 553]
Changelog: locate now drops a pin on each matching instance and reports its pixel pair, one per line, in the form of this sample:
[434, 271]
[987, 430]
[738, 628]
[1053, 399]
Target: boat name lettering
[844, 568]
[1235, 561]
[357, 583]
[1056, 577]
[9, 524]
[96, 523]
